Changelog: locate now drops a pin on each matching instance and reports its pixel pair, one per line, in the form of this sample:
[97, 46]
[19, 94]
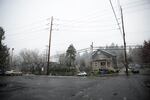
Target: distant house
[103, 60]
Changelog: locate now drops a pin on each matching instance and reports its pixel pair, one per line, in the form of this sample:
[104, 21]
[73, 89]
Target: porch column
[106, 64]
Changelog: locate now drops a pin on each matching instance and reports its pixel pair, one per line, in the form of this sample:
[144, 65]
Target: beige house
[103, 60]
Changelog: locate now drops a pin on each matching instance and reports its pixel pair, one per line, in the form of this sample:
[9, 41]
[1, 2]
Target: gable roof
[104, 52]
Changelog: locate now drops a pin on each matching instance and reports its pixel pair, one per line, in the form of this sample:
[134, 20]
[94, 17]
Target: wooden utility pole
[11, 65]
[92, 47]
[124, 40]
[122, 32]
[49, 46]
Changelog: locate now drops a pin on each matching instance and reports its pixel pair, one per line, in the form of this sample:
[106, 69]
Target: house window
[99, 52]
[95, 64]
[103, 63]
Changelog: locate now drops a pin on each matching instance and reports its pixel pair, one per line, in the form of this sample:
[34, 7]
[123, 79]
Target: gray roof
[104, 52]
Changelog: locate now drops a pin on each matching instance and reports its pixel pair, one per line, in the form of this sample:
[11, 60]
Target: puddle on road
[147, 83]
[8, 87]
[115, 94]
[2, 85]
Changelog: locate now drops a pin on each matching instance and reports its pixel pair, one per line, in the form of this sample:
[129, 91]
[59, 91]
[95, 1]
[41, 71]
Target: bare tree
[31, 60]
[62, 59]
[16, 63]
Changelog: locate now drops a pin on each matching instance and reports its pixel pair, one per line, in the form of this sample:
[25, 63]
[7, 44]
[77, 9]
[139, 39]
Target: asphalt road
[134, 87]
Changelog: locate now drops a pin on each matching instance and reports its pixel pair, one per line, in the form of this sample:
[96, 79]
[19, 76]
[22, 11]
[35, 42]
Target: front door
[103, 64]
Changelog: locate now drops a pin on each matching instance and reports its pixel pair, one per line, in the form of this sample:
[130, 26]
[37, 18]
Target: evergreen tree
[70, 56]
[146, 52]
[3, 51]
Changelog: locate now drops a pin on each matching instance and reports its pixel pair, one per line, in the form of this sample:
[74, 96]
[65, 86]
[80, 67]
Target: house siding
[103, 60]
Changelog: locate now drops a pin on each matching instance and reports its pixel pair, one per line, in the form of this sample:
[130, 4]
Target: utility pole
[92, 47]
[12, 58]
[123, 31]
[91, 52]
[49, 46]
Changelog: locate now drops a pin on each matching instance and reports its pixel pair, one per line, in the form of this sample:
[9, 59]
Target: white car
[124, 69]
[13, 73]
[82, 74]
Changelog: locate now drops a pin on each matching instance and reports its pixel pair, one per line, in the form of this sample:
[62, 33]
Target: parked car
[13, 73]
[2, 72]
[82, 74]
[108, 71]
[135, 70]
[104, 71]
[124, 69]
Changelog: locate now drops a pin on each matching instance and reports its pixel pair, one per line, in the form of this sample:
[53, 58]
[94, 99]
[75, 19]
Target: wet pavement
[31, 87]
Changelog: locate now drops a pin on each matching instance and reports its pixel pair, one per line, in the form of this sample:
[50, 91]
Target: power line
[30, 29]
[104, 48]
[90, 22]
[27, 28]
[115, 16]
[143, 31]
[27, 32]
[91, 26]
[34, 37]
[136, 6]
[135, 9]
[91, 15]
[95, 18]
[112, 29]
[137, 2]
[86, 24]
[27, 25]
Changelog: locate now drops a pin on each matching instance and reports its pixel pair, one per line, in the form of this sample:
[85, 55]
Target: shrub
[95, 72]
[63, 71]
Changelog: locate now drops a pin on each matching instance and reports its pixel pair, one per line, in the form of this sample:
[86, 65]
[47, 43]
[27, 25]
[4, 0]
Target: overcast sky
[77, 22]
